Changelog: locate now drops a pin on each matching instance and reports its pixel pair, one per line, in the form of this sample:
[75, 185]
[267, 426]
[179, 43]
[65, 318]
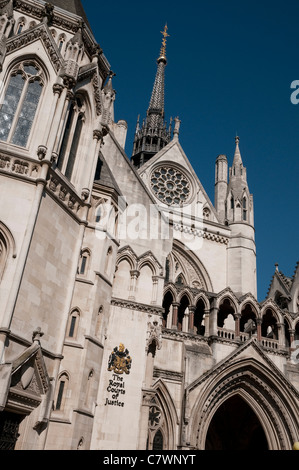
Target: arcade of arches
[201, 317]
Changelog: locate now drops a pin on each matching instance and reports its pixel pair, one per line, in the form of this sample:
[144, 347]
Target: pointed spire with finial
[154, 133]
[238, 169]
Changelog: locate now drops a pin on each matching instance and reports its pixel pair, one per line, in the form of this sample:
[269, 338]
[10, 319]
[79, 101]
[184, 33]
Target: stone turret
[221, 186]
[240, 219]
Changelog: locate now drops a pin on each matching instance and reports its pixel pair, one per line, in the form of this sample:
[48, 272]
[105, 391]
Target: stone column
[207, 323]
[213, 320]
[191, 319]
[155, 290]
[259, 329]
[281, 334]
[175, 308]
[292, 340]
[237, 325]
[134, 276]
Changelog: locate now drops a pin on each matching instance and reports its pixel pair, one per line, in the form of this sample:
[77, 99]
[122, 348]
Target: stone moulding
[137, 306]
[18, 166]
[64, 194]
[34, 34]
[215, 237]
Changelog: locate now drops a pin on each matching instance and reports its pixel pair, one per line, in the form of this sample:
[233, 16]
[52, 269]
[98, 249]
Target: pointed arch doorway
[235, 426]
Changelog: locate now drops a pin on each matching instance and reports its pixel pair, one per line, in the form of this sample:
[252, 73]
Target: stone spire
[154, 133]
[239, 204]
[237, 163]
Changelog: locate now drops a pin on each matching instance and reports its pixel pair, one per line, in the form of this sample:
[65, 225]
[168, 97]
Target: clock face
[170, 186]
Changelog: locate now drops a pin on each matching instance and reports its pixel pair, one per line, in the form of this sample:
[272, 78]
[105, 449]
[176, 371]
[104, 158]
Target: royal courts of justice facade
[128, 310]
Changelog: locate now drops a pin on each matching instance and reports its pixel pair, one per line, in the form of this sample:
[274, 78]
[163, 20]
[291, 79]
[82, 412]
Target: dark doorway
[9, 430]
[235, 427]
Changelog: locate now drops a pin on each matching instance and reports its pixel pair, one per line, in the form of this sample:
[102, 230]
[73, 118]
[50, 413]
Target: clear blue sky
[230, 68]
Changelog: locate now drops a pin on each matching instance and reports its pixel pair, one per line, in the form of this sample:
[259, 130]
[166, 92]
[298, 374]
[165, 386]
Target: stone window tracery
[170, 186]
[20, 103]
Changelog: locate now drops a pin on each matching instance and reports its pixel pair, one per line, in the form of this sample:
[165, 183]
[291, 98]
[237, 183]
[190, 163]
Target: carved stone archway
[260, 385]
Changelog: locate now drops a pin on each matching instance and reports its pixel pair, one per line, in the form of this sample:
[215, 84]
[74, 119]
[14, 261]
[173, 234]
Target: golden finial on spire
[164, 42]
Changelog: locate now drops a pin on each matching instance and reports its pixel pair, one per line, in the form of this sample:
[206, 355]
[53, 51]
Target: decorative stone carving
[154, 335]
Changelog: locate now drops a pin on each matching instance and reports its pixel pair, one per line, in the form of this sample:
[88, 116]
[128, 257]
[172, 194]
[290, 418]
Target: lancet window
[71, 139]
[20, 103]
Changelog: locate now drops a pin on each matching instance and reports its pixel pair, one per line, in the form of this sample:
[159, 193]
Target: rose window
[170, 186]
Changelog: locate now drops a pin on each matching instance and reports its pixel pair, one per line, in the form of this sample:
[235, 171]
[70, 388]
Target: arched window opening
[232, 203]
[108, 262]
[269, 325]
[61, 42]
[73, 324]
[158, 443]
[225, 310]
[98, 216]
[167, 303]
[180, 280]
[99, 321]
[248, 317]
[63, 384]
[184, 304]
[89, 388]
[84, 263]
[20, 103]
[199, 314]
[71, 138]
[20, 26]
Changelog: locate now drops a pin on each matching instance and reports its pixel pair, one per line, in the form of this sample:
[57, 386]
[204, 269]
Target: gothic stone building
[128, 310]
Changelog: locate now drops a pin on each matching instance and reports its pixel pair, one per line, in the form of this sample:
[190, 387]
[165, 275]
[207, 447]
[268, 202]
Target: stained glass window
[20, 104]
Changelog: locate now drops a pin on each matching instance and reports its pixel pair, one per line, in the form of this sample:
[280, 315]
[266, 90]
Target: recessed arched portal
[235, 427]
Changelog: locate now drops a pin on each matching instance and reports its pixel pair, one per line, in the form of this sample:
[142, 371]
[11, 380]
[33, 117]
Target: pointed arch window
[20, 26]
[61, 392]
[61, 42]
[71, 139]
[20, 103]
[84, 262]
[73, 324]
[158, 441]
